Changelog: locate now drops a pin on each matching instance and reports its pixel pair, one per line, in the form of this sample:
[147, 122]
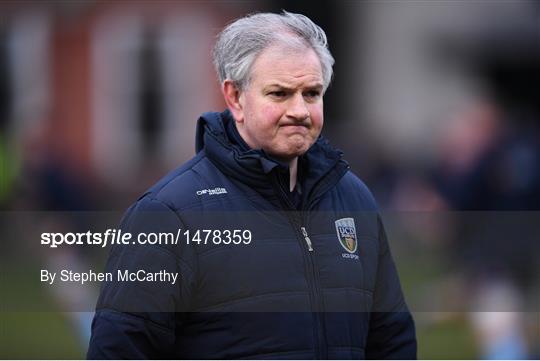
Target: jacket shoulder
[178, 189]
[352, 186]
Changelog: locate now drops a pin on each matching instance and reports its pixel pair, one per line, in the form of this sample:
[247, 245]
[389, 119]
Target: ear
[234, 99]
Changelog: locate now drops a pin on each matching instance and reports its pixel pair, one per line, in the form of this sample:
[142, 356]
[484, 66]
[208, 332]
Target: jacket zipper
[319, 308]
[319, 314]
[313, 279]
[306, 237]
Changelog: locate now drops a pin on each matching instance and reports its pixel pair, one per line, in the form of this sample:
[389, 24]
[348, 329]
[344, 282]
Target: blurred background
[435, 104]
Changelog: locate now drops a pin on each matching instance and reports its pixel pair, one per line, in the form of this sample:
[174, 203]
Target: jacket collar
[322, 165]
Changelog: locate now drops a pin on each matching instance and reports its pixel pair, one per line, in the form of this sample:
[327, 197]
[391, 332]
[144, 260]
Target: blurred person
[47, 184]
[498, 324]
[317, 282]
[490, 162]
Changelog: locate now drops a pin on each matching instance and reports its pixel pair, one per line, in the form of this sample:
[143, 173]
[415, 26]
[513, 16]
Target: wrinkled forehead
[290, 65]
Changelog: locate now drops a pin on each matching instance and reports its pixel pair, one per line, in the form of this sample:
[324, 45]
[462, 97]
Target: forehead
[288, 67]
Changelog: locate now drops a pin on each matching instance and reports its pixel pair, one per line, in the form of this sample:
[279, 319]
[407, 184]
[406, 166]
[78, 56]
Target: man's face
[281, 110]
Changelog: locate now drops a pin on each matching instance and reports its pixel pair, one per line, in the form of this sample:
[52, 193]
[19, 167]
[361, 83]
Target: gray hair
[239, 44]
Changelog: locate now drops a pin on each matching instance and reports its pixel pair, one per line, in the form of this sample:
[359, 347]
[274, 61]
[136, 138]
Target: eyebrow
[284, 87]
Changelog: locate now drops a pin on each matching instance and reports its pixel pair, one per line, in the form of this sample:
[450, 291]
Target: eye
[278, 93]
[312, 94]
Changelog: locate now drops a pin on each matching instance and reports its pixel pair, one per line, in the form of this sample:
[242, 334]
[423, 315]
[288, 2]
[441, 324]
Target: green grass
[32, 335]
[37, 335]
[447, 339]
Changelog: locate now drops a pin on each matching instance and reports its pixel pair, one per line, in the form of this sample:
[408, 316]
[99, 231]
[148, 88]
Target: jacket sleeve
[137, 319]
[391, 328]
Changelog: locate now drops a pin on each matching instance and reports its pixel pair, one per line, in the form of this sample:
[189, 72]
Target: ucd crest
[346, 232]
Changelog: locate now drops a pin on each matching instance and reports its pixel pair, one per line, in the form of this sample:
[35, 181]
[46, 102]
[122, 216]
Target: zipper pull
[306, 237]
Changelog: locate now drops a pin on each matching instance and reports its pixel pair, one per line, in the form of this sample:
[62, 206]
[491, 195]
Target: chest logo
[212, 192]
[346, 232]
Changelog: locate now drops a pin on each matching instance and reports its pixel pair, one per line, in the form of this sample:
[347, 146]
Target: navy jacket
[316, 279]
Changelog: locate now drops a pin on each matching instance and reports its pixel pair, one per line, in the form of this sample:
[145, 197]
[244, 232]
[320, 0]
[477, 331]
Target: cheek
[271, 114]
[316, 113]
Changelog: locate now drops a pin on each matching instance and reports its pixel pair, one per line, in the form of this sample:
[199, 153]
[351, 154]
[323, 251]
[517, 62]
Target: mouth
[295, 125]
[290, 129]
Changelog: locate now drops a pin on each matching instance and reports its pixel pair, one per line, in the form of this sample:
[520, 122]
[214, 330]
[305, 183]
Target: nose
[297, 109]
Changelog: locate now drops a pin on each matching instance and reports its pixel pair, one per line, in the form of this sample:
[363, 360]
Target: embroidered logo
[346, 232]
[212, 192]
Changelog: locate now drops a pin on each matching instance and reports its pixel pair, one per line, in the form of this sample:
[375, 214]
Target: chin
[286, 156]
[295, 153]
[291, 151]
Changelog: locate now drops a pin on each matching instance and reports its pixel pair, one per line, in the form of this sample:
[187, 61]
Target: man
[287, 257]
